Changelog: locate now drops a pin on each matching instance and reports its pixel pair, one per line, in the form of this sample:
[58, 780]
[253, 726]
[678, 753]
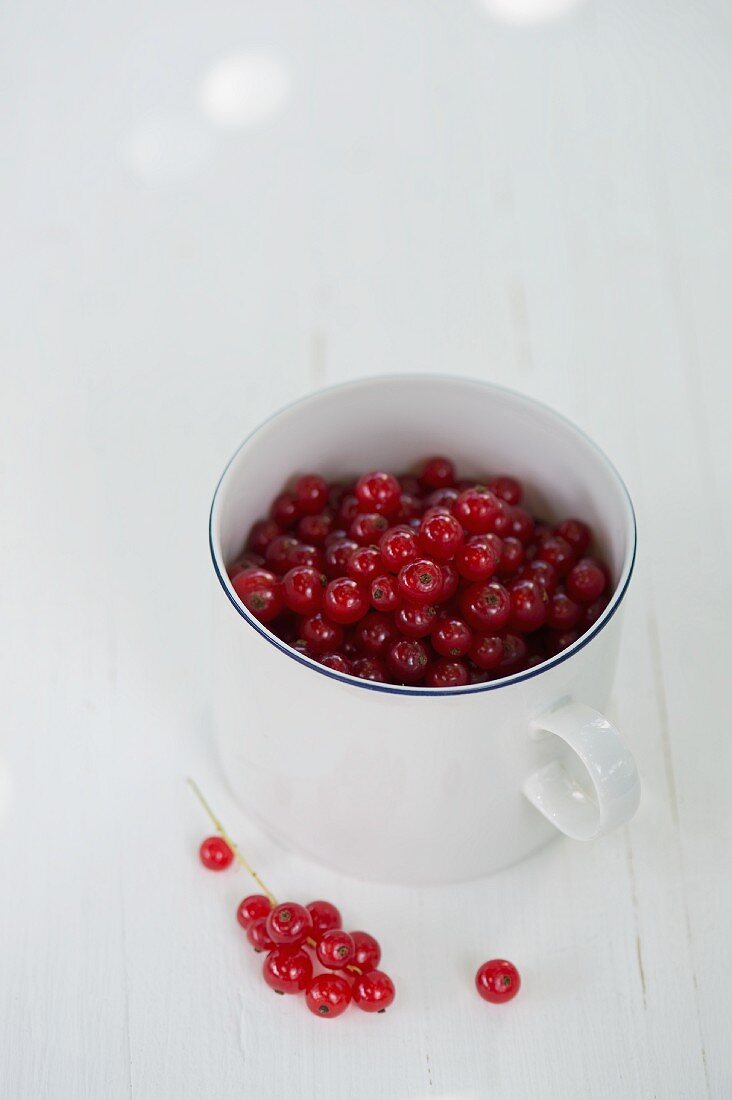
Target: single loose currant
[437, 473]
[576, 533]
[260, 592]
[477, 510]
[374, 634]
[451, 637]
[364, 564]
[440, 536]
[262, 534]
[368, 951]
[420, 581]
[302, 589]
[373, 991]
[367, 528]
[415, 620]
[289, 923]
[408, 661]
[585, 581]
[447, 673]
[285, 510]
[215, 853]
[335, 949]
[258, 935]
[528, 605]
[378, 492]
[497, 981]
[328, 995]
[315, 529]
[325, 916]
[507, 489]
[345, 601]
[370, 668]
[384, 593]
[479, 558]
[486, 651]
[485, 607]
[320, 634]
[252, 908]
[398, 546]
[558, 552]
[311, 494]
[287, 969]
[338, 552]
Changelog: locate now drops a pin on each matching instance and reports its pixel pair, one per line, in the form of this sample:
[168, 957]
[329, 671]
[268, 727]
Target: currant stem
[223, 833]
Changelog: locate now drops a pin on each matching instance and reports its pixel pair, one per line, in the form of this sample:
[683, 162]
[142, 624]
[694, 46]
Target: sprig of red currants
[308, 950]
[423, 579]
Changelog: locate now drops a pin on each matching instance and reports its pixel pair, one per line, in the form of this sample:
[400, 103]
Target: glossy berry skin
[311, 493]
[410, 507]
[440, 536]
[420, 581]
[289, 923]
[315, 529]
[585, 581]
[287, 969]
[364, 564]
[486, 607]
[337, 662]
[414, 620]
[278, 553]
[335, 949]
[325, 916]
[447, 673]
[345, 600]
[497, 981]
[576, 533]
[262, 534]
[486, 651]
[562, 613]
[557, 552]
[451, 637]
[373, 991]
[522, 525]
[378, 492]
[543, 573]
[507, 489]
[260, 592]
[515, 652]
[252, 908]
[328, 995]
[408, 660]
[338, 554]
[528, 606]
[320, 634]
[347, 510]
[477, 510]
[512, 557]
[374, 634]
[370, 668]
[398, 546]
[302, 554]
[437, 473]
[215, 853]
[367, 528]
[479, 558]
[258, 935]
[246, 561]
[368, 951]
[302, 589]
[285, 510]
[444, 498]
[450, 581]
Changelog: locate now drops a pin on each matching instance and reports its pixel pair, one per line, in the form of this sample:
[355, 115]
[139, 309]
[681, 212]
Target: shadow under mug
[409, 784]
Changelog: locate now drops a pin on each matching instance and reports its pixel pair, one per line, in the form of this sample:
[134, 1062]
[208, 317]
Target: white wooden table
[209, 210]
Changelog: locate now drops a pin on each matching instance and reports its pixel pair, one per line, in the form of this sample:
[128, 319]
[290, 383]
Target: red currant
[497, 981]
[384, 593]
[398, 546]
[557, 552]
[261, 535]
[507, 489]
[420, 581]
[477, 510]
[246, 561]
[289, 923]
[411, 485]
[451, 637]
[585, 581]
[338, 554]
[252, 908]
[543, 573]
[315, 529]
[345, 601]
[576, 533]
[302, 588]
[562, 613]
[364, 564]
[592, 612]
[215, 853]
[512, 556]
[522, 525]
[373, 991]
[378, 492]
[446, 673]
[410, 508]
[367, 528]
[440, 536]
[415, 620]
[368, 951]
[370, 668]
[325, 916]
[528, 605]
[287, 969]
[450, 581]
[515, 652]
[437, 473]
[335, 949]
[328, 995]
[486, 651]
[260, 592]
[478, 559]
[408, 660]
[347, 510]
[311, 493]
[285, 510]
[337, 662]
[278, 554]
[302, 554]
[374, 634]
[485, 607]
[320, 634]
[258, 935]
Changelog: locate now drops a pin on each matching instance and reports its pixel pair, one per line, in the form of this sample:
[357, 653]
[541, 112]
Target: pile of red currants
[421, 579]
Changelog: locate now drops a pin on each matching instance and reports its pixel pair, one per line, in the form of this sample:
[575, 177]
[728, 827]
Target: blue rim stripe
[399, 689]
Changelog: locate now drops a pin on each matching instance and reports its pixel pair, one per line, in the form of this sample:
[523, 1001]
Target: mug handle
[559, 796]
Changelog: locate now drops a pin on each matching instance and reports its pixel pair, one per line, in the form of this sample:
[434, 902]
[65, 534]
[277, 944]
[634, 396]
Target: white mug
[410, 784]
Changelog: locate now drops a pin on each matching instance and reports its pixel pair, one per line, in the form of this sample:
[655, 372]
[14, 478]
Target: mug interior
[392, 423]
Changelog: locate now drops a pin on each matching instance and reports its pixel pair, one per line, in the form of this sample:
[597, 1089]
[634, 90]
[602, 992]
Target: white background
[210, 209]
